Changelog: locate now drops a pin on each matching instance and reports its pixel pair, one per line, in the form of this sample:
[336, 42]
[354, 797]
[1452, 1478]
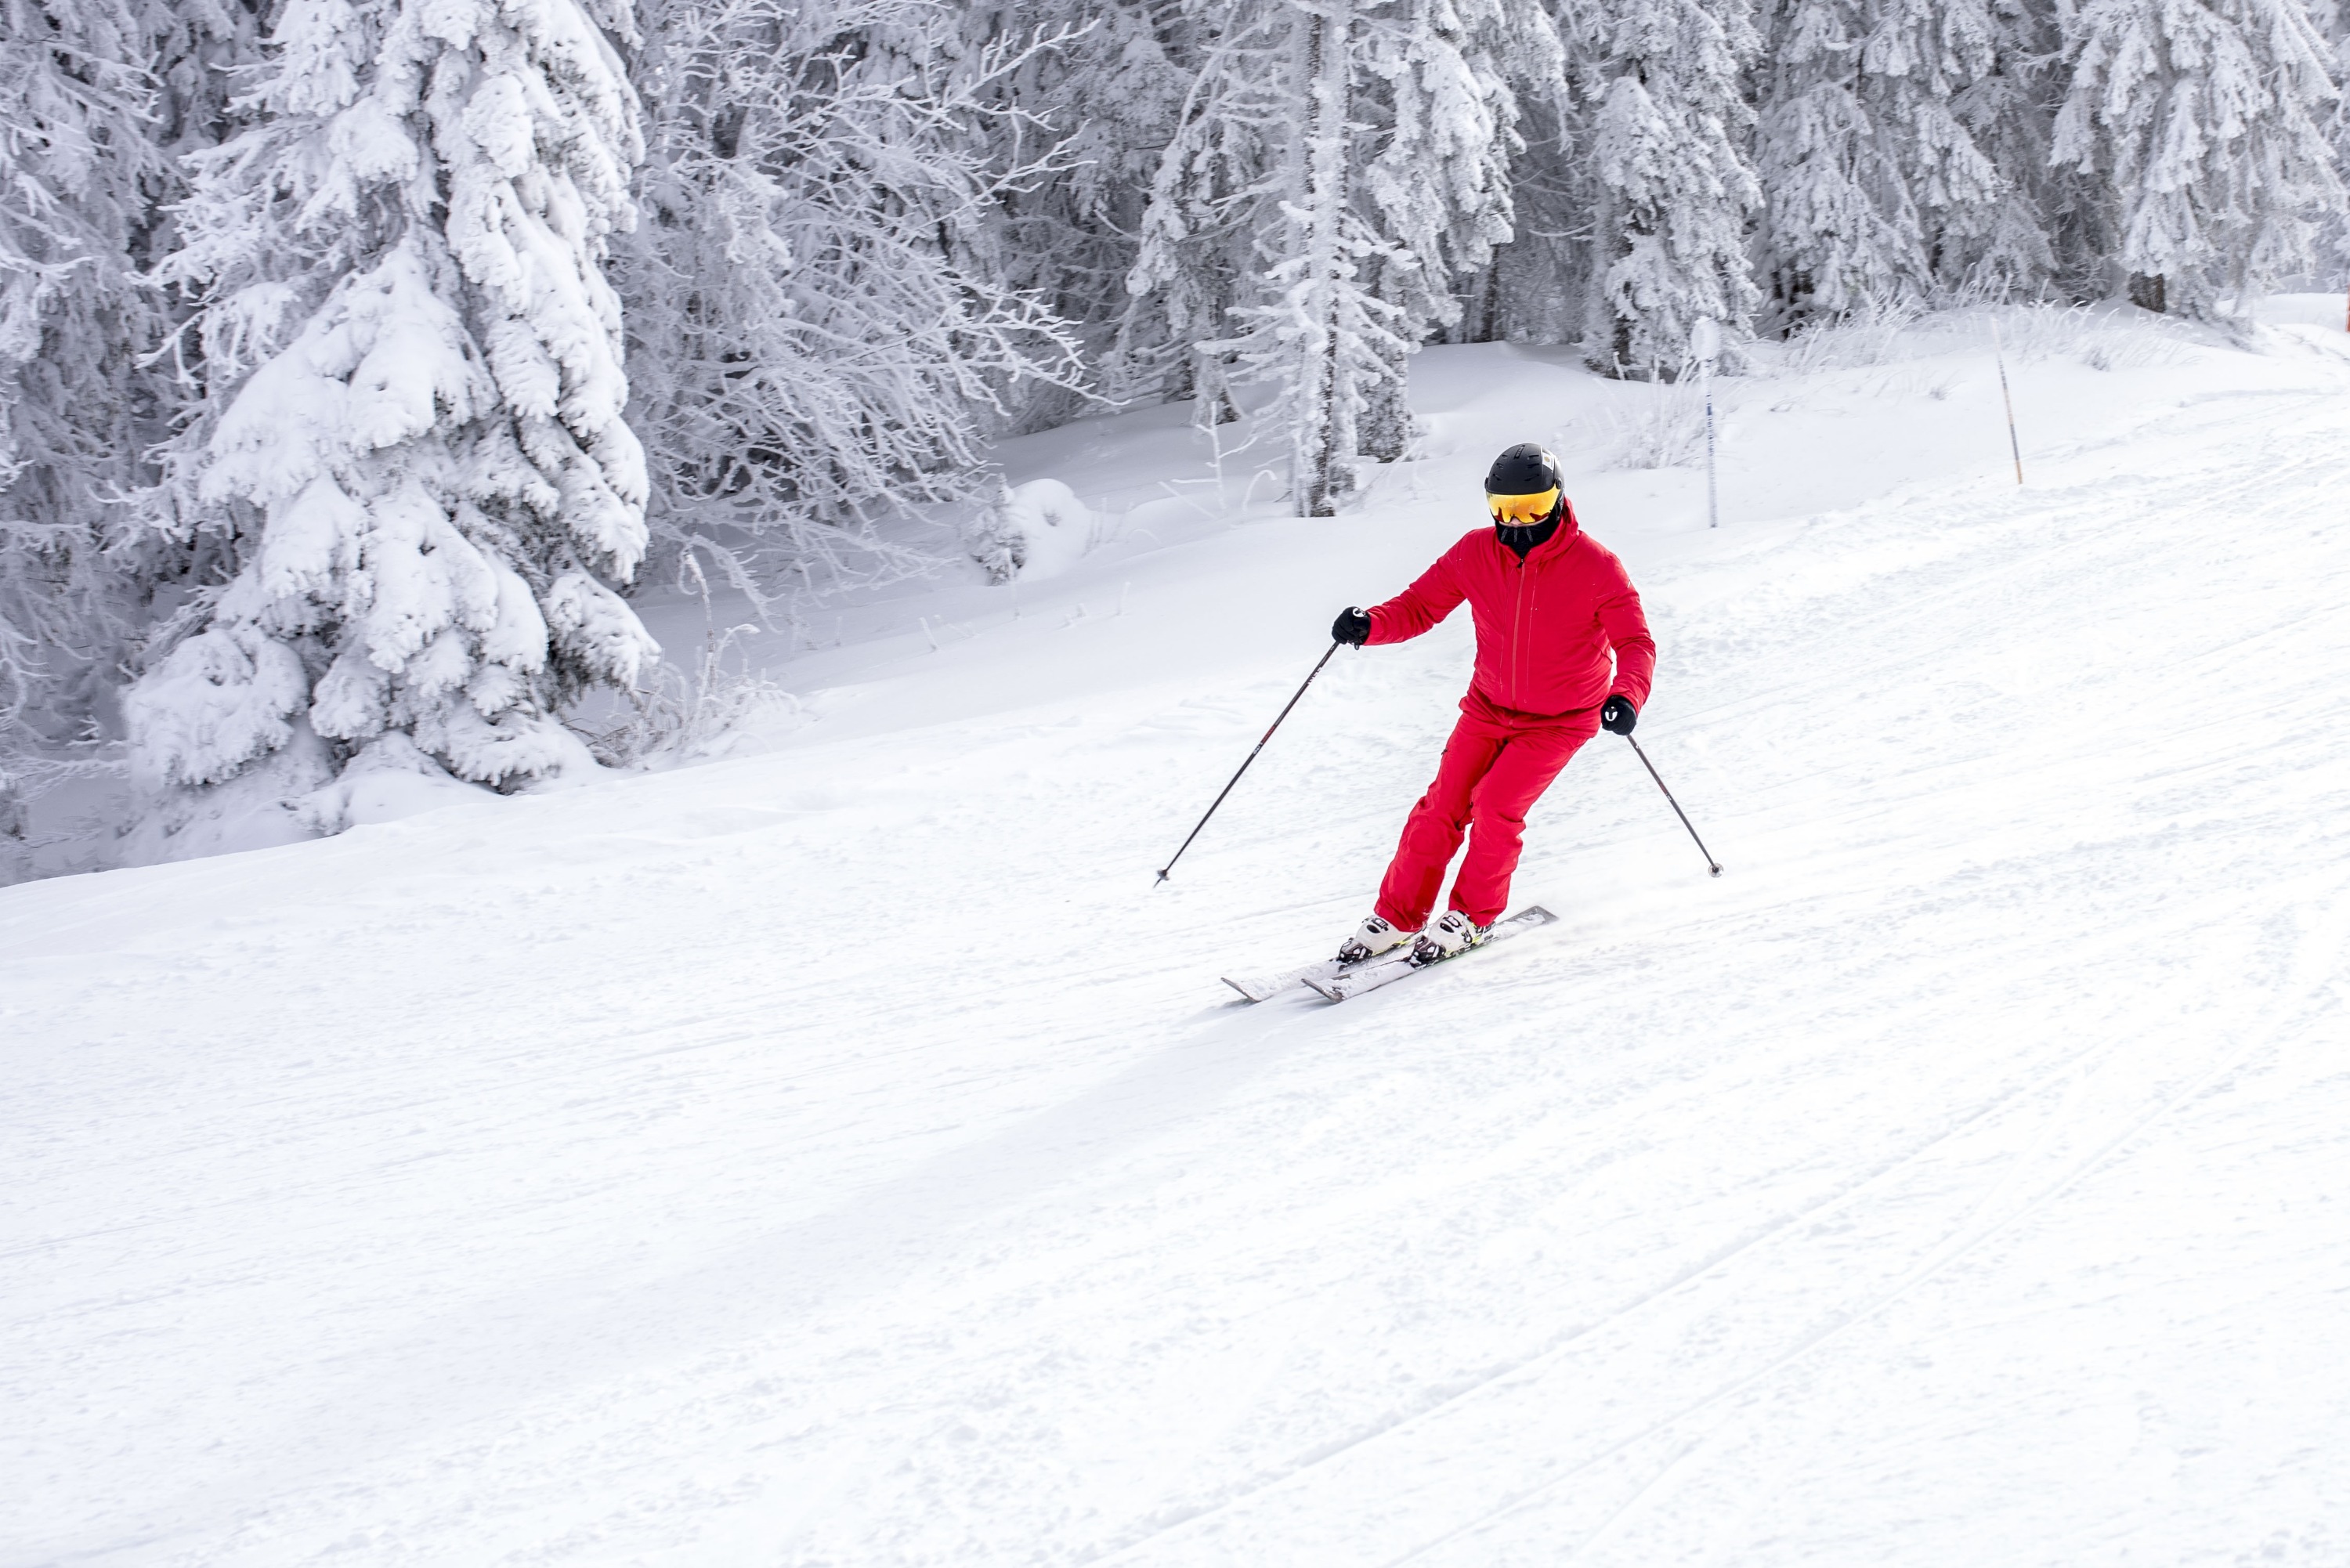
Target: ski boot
[1453, 932]
[1371, 939]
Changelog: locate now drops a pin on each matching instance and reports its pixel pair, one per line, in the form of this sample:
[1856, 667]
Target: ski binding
[1338, 982]
[1356, 978]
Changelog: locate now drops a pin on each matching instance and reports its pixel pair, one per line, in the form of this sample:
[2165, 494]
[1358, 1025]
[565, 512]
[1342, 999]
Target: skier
[1562, 651]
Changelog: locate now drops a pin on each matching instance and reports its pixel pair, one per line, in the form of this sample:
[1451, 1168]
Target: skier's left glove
[1617, 715]
[1352, 628]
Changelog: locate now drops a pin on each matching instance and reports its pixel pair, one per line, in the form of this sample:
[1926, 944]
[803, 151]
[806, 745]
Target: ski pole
[1244, 766]
[1712, 864]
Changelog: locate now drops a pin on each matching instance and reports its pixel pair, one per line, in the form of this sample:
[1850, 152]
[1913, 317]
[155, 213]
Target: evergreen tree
[98, 100]
[411, 438]
[2334, 231]
[1445, 118]
[1324, 338]
[2022, 236]
[1260, 220]
[1858, 141]
[2204, 126]
[1537, 287]
[79, 171]
[1673, 186]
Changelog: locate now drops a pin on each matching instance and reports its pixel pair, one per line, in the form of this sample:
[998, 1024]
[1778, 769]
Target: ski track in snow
[843, 1156]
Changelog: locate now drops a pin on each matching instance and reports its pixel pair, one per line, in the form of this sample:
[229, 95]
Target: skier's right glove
[1617, 715]
[1352, 628]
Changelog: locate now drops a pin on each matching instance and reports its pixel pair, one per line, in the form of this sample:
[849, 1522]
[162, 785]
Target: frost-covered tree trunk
[822, 332]
[2204, 125]
[1322, 260]
[1383, 433]
[1257, 220]
[412, 426]
[1674, 188]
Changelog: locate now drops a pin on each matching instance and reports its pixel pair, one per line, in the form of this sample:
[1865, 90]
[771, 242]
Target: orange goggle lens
[1522, 508]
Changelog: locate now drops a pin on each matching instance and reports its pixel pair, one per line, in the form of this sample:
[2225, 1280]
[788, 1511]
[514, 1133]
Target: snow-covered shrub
[2044, 329]
[2131, 350]
[1872, 332]
[1662, 428]
[714, 710]
[411, 449]
[993, 538]
[2103, 338]
[675, 714]
[1031, 530]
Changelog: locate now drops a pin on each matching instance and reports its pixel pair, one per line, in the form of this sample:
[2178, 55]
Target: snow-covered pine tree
[2333, 234]
[820, 323]
[78, 168]
[1325, 337]
[1673, 185]
[412, 436]
[1537, 287]
[2021, 239]
[1867, 143]
[1441, 108]
[2204, 123]
[1258, 220]
[98, 100]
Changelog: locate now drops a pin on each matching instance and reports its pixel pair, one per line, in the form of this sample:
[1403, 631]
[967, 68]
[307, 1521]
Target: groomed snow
[842, 1155]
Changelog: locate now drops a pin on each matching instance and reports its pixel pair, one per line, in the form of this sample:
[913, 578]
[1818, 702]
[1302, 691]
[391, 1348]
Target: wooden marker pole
[1705, 342]
[1999, 354]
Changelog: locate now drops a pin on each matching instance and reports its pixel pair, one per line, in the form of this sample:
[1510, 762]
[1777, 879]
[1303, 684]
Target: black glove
[1617, 715]
[1352, 628]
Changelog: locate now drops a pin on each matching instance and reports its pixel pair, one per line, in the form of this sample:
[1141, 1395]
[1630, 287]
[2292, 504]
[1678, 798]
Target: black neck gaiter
[1524, 538]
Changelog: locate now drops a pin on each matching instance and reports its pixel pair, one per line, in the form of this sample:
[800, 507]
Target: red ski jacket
[1545, 626]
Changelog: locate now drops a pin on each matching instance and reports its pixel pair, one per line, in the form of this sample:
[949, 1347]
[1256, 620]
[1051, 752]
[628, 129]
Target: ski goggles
[1524, 509]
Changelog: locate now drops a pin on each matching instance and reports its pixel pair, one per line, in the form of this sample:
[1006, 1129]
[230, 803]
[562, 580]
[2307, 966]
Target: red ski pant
[1495, 766]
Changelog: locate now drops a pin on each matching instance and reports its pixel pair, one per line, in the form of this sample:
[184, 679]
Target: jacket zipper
[1517, 630]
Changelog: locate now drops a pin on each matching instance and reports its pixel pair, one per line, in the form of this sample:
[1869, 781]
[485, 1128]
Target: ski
[1381, 972]
[1267, 986]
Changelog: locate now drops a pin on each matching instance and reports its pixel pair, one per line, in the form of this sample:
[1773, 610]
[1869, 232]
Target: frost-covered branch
[821, 334]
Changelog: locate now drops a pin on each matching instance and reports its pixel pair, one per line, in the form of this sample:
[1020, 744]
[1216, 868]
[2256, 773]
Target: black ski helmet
[1524, 469]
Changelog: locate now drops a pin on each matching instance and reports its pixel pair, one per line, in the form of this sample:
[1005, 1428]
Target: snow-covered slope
[843, 1154]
